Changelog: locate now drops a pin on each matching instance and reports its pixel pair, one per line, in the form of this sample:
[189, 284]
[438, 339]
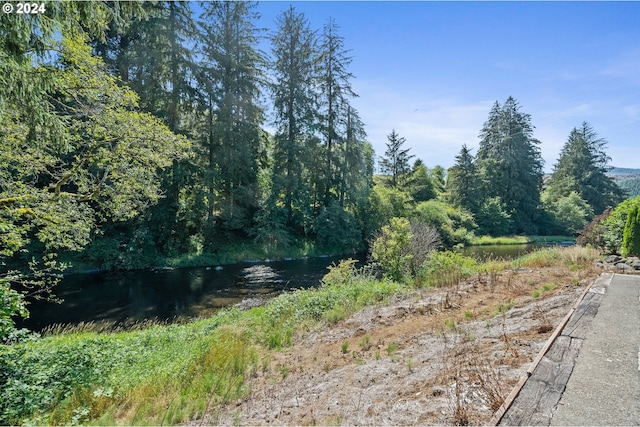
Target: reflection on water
[123, 298]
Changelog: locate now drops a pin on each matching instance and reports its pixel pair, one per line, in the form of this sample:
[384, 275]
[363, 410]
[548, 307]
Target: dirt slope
[444, 356]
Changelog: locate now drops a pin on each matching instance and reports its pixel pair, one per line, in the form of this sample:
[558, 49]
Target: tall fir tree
[152, 53]
[582, 168]
[230, 75]
[295, 103]
[395, 163]
[462, 181]
[335, 92]
[510, 164]
[355, 172]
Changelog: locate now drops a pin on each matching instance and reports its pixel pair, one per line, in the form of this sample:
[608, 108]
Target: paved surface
[604, 387]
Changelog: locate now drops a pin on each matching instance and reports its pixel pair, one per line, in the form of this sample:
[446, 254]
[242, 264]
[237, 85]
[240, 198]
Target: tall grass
[519, 240]
[557, 256]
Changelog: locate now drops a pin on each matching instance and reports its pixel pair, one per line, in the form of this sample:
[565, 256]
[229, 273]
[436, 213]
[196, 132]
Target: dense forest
[136, 132]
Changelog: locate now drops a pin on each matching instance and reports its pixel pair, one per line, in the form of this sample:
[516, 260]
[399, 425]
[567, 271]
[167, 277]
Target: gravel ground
[443, 356]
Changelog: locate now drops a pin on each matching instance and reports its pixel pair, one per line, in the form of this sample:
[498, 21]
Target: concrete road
[604, 387]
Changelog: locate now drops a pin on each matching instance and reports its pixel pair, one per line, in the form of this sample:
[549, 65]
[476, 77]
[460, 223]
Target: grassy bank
[174, 373]
[519, 240]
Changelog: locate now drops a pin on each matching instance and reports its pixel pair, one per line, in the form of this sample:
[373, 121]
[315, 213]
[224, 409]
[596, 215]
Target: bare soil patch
[437, 356]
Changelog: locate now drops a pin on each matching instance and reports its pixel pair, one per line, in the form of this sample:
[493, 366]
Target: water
[123, 298]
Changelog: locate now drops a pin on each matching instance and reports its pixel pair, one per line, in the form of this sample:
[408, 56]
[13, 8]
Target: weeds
[446, 269]
[544, 289]
[365, 342]
[391, 349]
[345, 347]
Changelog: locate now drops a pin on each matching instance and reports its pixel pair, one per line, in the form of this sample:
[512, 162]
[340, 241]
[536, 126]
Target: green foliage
[493, 218]
[341, 274]
[93, 154]
[612, 227]
[631, 235]
[569, 213]
[338, 230]
[391, 248]
[11, 304]
[420, 185]
[454, 225]
[295, 147]
[386, 203]
[230, 71]
[447, 268]
[462, 181]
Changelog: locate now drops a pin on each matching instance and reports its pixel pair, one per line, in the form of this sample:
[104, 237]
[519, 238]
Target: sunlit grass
[557, 256]
[519, 240]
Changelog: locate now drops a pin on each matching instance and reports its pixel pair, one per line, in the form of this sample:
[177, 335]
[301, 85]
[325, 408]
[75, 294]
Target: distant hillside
[628, 179]
[631, 186]
[624, 171]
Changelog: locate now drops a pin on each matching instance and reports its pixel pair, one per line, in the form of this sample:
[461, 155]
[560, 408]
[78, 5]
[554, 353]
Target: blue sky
[432, 70]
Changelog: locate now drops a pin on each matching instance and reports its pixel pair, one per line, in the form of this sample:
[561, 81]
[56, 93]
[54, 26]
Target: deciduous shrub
[391, 248]
[447, 268]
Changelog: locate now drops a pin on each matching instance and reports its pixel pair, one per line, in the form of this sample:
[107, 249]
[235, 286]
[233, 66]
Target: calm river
[123, 298]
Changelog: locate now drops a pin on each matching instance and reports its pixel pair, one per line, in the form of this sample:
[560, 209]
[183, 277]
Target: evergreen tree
[631, 236]
[295, 105]
[395, 162]
[421, 186]
[462, 182]
[438, 178]
[152, 53]
[510, 164]
[356, 171]
[335, 91]
[230, 75]
[582, 169]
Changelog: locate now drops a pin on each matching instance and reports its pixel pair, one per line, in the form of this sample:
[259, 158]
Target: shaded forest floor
[438, 356]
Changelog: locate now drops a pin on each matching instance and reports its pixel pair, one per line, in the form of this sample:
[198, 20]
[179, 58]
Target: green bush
[391, 248]
[631, 237]
[454, 225]
[569, 214]
[613, 225]
[447, 268]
